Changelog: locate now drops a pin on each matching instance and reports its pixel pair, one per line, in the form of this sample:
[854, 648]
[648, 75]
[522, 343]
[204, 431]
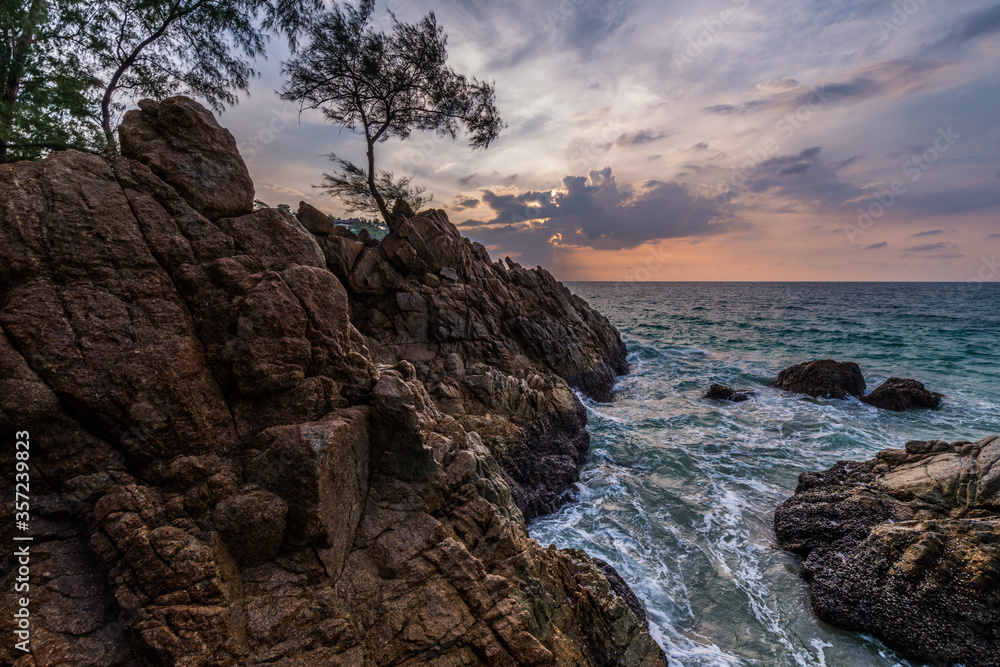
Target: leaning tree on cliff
[384, 85]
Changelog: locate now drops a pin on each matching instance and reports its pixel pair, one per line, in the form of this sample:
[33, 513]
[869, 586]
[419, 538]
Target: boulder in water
[898, 394]
[720, 392]
[823, 379]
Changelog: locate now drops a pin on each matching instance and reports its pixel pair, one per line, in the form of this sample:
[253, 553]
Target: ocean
[678, 492]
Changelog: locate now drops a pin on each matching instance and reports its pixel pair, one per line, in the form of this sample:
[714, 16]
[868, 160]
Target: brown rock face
[906, 547]
[226, 471]
[899, 394]
[313, 219]
[823, 379]
[499, 347]
[183, 144]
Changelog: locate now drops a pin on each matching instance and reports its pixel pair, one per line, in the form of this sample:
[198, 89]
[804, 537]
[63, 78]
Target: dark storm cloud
[598, 213]
[876, 246]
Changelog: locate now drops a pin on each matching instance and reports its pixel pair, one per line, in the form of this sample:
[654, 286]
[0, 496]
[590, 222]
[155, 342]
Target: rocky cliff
[253, 446]
[906, 547]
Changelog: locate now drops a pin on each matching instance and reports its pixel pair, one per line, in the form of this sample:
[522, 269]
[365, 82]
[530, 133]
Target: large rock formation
[225, 470]
[906, 547]
[499, 347]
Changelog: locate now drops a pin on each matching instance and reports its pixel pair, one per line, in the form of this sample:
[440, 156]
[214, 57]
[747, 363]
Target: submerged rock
[906, 547]
[719, 392]
[226, 471]
[823, 379]
[898, 394]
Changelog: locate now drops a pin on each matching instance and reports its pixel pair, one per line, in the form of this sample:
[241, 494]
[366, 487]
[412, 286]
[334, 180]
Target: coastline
[235, 473]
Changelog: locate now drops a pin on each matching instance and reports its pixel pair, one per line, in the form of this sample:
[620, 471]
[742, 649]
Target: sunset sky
[720, 140]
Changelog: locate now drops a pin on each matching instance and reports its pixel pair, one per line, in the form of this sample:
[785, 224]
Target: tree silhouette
[385, 85]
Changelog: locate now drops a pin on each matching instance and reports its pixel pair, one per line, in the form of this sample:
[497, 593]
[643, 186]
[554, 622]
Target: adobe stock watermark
[563, 11]
[254, 144]
[704, 39]
[902, 10]
[989, 270]
[915, 168]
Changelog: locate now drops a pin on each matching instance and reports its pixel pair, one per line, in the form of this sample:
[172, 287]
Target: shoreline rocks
[834, 379]
[251, 445]
[906, 547]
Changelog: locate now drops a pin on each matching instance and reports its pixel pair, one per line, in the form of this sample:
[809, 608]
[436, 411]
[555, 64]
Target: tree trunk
[374, 190]
[18, 61]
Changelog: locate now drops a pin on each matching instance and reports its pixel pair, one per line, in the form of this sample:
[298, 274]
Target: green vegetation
[69, 67]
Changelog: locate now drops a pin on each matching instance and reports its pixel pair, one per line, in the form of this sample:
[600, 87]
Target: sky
[717, 140]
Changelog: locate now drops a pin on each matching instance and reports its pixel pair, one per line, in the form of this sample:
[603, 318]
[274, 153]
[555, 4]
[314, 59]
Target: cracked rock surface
[249, 447]
[906, 547]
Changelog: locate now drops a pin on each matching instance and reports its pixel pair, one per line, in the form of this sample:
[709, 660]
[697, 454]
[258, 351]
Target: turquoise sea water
[679, 492]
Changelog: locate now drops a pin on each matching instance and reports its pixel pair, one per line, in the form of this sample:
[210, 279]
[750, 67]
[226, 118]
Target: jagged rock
[823, 379]
[186, 147]
[427, 294]
[898, 394]
[719, 392]
[906, 547]
[225, 471]
[314, 220]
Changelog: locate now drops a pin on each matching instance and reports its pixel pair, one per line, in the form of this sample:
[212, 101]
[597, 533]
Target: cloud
[932, 232]
[807, 177]
[736, 109]
[994, 236]
[893, 78]
[700, 146]
[875, 246]
[777, 86]
[931, 246]
[597, 212]
[460, 203]
[464, 182]
[639, 138]
[283, 189]
[980, 23]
